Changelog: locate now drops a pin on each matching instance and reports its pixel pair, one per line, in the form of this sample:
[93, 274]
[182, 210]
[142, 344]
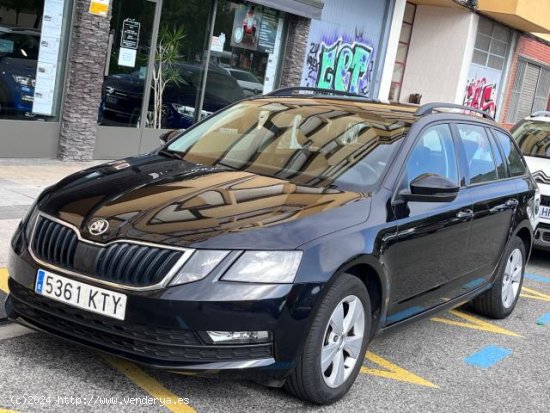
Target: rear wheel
[501, 299]
[336, 344]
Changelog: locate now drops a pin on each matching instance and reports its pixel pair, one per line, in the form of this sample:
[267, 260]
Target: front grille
[137, 340]
[124, 263]
[55, 243]
[135, 264]
[546, 236]
[541, 177]
[545, 200]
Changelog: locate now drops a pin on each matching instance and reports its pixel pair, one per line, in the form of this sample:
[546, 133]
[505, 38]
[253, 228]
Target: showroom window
[33, 41]
[244, 42]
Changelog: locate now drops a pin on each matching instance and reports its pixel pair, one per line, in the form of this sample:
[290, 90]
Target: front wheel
[336, 344]
[501, 299]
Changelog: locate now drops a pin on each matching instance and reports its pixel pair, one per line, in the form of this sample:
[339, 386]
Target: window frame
[399, 181]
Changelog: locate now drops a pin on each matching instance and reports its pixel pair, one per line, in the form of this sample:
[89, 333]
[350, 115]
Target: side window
[515, 163]
[480, 158]
[434, 153]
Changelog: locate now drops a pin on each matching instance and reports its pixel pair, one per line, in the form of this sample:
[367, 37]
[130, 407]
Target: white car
[533, 137]
[250, 85]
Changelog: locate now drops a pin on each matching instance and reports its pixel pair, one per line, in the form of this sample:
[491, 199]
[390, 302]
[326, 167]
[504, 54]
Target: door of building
[124, 109]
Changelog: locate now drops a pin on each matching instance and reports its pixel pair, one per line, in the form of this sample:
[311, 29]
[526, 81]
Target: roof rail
[429, 108]
[313, 91]
[540, 113]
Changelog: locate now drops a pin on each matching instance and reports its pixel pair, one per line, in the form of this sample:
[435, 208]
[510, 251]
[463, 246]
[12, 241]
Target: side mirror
[431, 188]
[168, 136]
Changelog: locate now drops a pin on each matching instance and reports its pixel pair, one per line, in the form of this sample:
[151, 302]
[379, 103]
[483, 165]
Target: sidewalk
[21, 181]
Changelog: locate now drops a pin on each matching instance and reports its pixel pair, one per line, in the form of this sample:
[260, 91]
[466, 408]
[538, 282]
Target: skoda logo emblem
[98, 227]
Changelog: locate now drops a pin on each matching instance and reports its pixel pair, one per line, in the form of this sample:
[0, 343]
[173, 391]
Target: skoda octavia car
[533, 137]
[275, 238]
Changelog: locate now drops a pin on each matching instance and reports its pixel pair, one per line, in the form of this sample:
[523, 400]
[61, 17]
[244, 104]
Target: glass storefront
[239, 41]
[33, 42]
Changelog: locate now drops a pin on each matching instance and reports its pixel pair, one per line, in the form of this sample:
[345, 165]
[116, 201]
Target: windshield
[533, 138]
[245, 76]
[306, 143]
[22, 46]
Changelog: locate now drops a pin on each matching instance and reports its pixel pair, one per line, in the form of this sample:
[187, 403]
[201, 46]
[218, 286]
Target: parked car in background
[249, 83]
[18, 60]
[275, 238]
[123, 95]
[533, 137]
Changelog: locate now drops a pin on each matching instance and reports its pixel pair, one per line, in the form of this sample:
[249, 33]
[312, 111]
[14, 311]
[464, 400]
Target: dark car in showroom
[123, 94]
[275, 238]
[18, 60]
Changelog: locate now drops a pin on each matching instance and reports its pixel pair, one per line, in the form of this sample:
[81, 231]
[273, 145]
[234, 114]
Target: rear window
[533, 138]
[479, 153]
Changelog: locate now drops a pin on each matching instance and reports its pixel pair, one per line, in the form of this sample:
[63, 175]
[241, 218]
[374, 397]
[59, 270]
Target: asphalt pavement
[456, 361]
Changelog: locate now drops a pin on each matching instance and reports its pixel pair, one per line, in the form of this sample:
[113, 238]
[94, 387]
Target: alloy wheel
[342, 341]
[512, 278]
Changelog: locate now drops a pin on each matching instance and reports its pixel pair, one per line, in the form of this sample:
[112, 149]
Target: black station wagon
[273, 239]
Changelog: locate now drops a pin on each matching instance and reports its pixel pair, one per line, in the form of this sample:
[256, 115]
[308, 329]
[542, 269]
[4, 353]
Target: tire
[497, 302]
[308, 381]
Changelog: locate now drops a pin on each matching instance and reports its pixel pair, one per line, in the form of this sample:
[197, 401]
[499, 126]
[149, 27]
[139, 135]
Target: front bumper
[165, 328]
[542, 236]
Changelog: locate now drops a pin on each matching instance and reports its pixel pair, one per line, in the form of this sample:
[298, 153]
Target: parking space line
[4, 281]
[7, 411]
[536, 277]
[534, 294]
[473, 323]
[487, 356]
[391, 371]
[168, 399]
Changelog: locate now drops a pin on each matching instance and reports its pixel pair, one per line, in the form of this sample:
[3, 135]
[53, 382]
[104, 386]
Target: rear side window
[513, 158]
[479, 154]
[434, 153]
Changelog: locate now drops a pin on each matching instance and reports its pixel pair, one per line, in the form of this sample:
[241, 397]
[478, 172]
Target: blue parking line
[487, 356]
[544, 320]
[536, 277]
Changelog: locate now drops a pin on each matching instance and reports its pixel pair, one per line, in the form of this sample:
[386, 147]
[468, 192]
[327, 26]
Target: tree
[166, 69]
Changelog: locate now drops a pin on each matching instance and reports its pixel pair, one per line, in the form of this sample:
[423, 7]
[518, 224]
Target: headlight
[201, 263]
[23, 80]
[270, 267]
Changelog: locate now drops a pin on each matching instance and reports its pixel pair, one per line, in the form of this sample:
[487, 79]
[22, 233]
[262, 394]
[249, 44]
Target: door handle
[511, 203]
[465, 214]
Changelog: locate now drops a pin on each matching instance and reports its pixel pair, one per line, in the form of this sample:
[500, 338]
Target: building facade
[102, 79]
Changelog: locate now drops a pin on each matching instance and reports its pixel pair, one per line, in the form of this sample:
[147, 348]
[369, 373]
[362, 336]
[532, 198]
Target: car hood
[163, 200]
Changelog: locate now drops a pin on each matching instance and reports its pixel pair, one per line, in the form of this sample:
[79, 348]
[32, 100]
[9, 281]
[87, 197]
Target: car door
[494, 197]
[432, 237]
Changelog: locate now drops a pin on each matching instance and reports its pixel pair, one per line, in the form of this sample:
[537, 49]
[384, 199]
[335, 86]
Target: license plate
[84, 296]
[544, 212]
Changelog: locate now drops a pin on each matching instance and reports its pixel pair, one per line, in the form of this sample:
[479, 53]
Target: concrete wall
[440, 53]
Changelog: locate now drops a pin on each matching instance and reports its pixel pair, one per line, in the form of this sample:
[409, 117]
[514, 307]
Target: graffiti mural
[340, 66]
[480, 94]
[342, 52]
[481, 90]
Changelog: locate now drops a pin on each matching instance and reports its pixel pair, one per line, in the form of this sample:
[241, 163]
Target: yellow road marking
[4, 284]
[7, 411]
[168, 399]
[393, 372]
[534, 294]
[473, 323]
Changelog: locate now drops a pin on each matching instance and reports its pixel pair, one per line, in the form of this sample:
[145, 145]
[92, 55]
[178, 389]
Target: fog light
[239, 337]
